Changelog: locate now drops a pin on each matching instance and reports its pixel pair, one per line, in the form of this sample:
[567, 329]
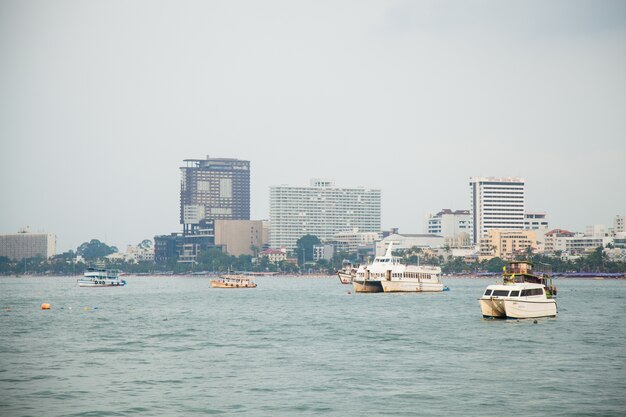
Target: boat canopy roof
[520, 285]
[521, 262]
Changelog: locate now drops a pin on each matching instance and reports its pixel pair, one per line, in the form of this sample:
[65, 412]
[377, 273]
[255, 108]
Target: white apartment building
[355, 239]
[454, 225]
[535, 220]
[496, 203]
[595, 230]
[321, 209]
[24, 245]
[619, 224]
[575, 243]
[449, 223]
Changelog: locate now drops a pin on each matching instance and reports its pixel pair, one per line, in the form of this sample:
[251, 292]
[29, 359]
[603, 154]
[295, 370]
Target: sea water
[173, 346]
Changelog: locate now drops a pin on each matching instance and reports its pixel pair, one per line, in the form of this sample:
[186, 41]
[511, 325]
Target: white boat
[347, 274]
[388, 274]
[415, 278]
[100, 277]
[526, 292]
[517, 301]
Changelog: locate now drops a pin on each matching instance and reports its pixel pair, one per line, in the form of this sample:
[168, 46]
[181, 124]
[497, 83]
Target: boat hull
[521, 309]
[492, 308]
[100, 283]
[345, 278]
[411, 286]
[517, 309]
[217, 284]
[367, 286]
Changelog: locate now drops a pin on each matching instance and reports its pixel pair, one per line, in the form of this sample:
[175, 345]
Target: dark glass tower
[213, 189]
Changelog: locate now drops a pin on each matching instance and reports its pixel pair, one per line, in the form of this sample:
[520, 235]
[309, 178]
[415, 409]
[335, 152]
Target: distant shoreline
[581, 275]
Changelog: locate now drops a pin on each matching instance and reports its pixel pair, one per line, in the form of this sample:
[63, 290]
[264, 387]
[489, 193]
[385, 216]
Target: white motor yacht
[526, 292]
[517, 301]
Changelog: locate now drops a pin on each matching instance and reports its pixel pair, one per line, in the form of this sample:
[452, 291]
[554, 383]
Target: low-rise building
[564, 241]
[324, 251]
[507, 244]
[454, 225]
[274, 255]
[180, 247]
[408, 241]
[580, 244]
[134, 254]
[24, 244]
[553, 240]
[350, 242]
[240, 237]
[619, 241]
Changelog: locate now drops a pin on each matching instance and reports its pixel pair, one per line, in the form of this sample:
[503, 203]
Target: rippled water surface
[172, 346]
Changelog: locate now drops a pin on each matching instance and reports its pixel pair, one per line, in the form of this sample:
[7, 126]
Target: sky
[101, 101]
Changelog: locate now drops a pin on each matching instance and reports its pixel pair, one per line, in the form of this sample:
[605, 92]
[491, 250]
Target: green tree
[5, 264]
[494, 265]
[214, 259]
[304, 248]
[145, 244]
[95, 250]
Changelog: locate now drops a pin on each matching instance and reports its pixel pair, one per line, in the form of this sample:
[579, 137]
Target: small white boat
[347, 274]
[388, 274]
[517, 301]
[100, 277]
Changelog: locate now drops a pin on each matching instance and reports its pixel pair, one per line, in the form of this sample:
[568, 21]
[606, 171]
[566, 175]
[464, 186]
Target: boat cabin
[508, 293]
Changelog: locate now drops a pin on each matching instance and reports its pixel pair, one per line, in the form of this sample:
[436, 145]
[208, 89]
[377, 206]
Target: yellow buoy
[45, 306]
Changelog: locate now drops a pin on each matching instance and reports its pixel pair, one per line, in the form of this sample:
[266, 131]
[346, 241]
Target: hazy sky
[101, 101]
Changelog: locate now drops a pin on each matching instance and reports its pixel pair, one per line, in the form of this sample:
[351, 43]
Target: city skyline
[101, 102]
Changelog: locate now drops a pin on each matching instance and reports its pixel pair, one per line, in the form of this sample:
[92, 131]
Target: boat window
[514, 293]
[500, 293]
[488, 292]
[532, 291]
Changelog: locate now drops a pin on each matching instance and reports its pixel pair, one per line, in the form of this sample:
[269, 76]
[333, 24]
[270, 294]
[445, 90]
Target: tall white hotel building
[496, 203]
[321, 210]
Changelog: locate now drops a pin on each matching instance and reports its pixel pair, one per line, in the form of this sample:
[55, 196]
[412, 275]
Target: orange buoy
[45, 306]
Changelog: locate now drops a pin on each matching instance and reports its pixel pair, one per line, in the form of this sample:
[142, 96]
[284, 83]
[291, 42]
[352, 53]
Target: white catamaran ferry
[523, 294]
[100, 277]
[388, 274]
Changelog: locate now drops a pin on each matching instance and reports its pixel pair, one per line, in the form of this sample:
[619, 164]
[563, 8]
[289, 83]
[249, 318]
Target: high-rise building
[24, 245]
[210, 189]
[213, 189]
[496, 203]
[321, 210]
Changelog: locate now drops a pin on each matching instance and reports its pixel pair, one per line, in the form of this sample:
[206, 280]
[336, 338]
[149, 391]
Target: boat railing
[543, 269]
